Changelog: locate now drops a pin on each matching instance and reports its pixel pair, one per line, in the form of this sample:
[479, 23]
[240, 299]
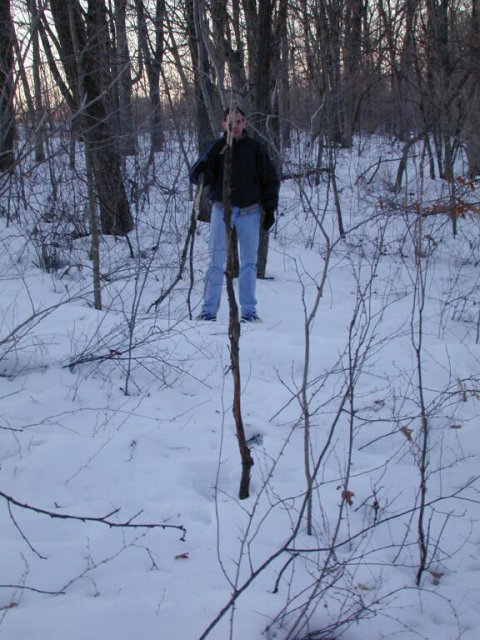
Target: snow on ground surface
[145, 435]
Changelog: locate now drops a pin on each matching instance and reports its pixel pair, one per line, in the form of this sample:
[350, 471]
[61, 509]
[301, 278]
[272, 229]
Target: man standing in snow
[254, 186]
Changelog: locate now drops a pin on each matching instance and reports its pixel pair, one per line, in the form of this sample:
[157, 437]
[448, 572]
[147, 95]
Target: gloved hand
[268, 220]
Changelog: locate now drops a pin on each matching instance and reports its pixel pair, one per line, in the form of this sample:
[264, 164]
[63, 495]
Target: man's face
[238, 124]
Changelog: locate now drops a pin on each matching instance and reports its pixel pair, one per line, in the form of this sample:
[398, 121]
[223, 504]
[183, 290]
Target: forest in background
[104, 73]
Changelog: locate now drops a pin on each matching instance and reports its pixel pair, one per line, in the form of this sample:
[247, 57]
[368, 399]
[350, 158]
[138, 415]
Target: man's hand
[268, 220]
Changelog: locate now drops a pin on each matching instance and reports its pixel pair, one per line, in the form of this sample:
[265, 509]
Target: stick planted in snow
[234, 322]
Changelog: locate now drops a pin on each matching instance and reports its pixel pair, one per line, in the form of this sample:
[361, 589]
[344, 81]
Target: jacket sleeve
[269, 180]
[206, 164]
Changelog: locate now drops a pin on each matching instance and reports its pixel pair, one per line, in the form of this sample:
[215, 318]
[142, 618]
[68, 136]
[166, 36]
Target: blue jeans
[247, 224]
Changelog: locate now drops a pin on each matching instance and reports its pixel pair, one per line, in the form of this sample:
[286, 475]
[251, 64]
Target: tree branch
[100, 519]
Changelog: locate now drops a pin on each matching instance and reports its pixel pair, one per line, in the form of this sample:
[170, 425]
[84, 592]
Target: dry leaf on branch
[407, 433]
[436, 575]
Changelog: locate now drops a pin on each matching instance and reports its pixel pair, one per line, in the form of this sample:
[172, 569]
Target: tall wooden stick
[234, 322]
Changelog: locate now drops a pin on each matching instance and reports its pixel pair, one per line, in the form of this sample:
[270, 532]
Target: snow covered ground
[124, 415]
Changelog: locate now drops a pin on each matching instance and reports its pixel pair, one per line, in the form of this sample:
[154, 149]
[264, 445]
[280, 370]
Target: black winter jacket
[254, 179]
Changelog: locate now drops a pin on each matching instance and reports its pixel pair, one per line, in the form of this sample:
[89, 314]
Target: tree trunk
[127, 142]
[153, 58]
[353, 73]
[442, 93]
[86, 73]
[472, 126]
[266, 105]
[38, 113]
[7, 117]
[205, 112]
[282, 73]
